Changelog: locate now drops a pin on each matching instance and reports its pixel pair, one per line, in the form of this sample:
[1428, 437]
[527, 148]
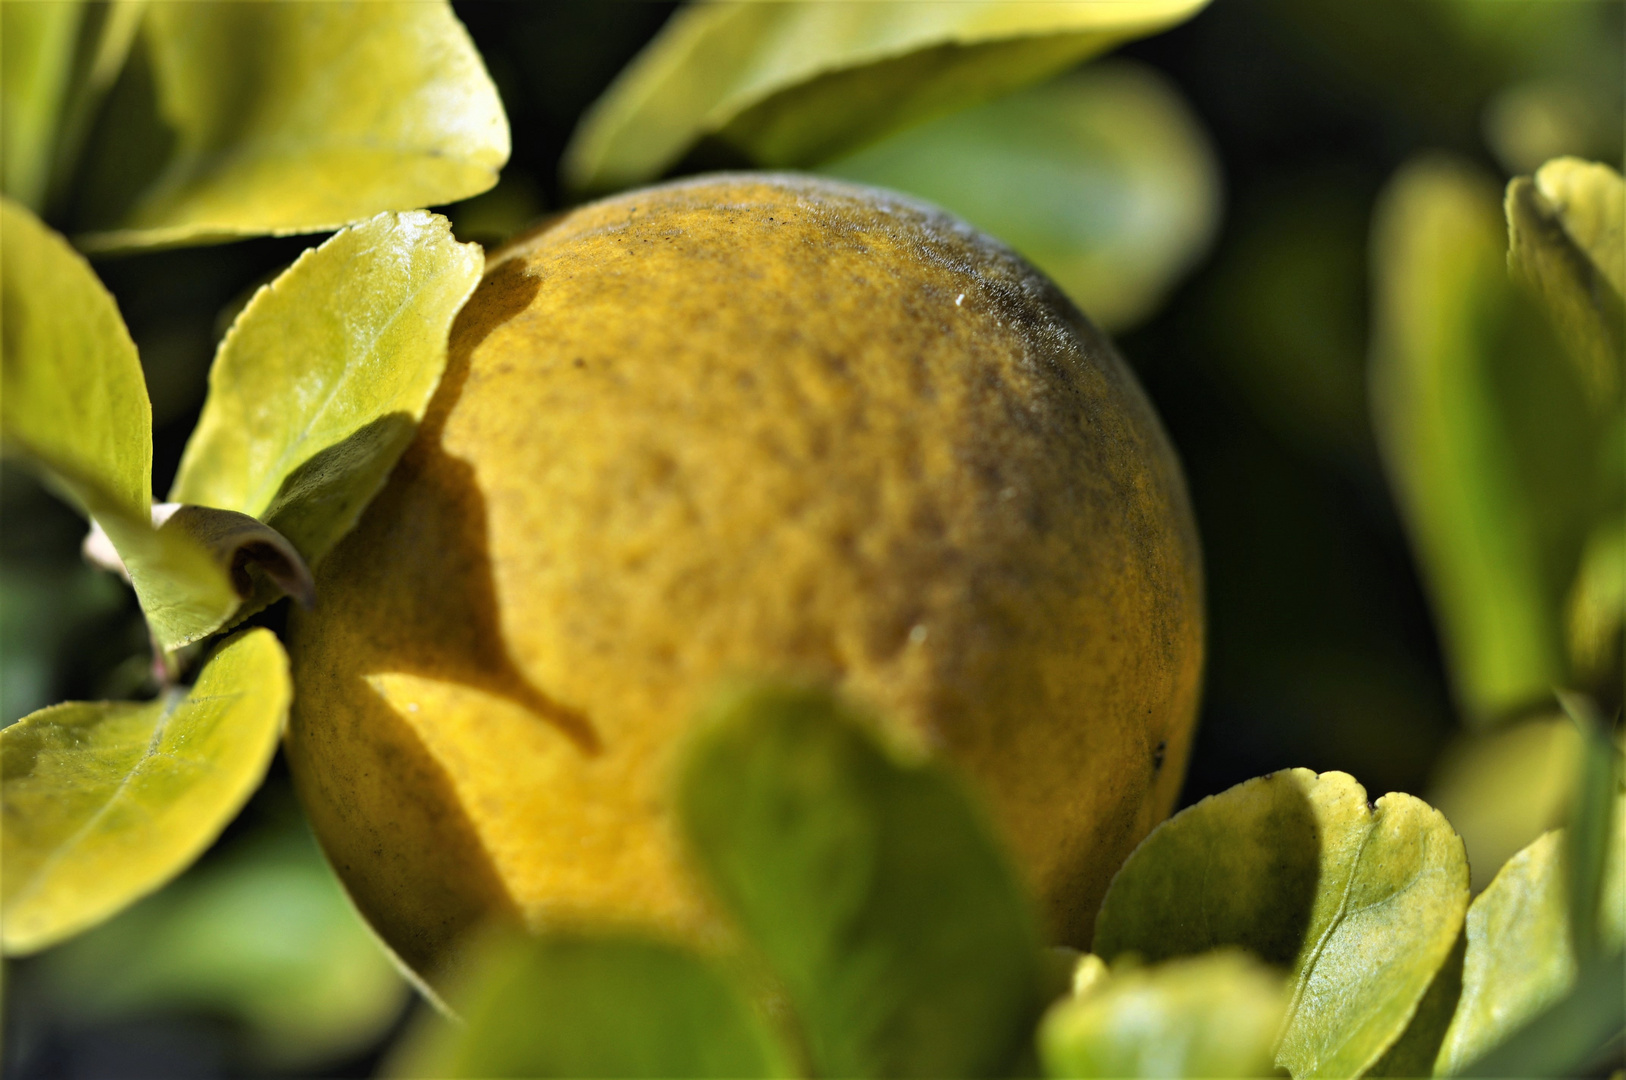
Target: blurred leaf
[1596, 609]
[263, 934]
[1211, 1015]
[321, 381]
[874, 891]
[604, 1007]
[1362, 904]
[1103, 179]
[1502, 789]
[793, 84]
[1579, 1035]
[104, 802]
[1592, 823]
[1488, 438]
[41, 609]
[292, 118]
[1565, 237]
[74, 405]
[37, 44]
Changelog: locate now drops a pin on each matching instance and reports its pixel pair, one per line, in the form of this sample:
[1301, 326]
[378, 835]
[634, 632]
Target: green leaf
[793, 84]
[873, 889]
[1595, 612]
[262, 934]
[1103, 179]
[1591, 825]
[1361, 903]
[1565, 237]
[1490, 443]
[1413, 1054]
[74, 405]
[1212, 1015]
[292, 118]
[37, 44]
[321, 381]
[103, 802]
[1580, 1035]
[595, 1007]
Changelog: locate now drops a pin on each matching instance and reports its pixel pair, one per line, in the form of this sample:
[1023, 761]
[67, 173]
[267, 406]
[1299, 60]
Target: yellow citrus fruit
[734, 426]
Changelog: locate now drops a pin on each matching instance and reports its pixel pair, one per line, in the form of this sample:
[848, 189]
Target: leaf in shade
[103, 802]
[594, 1007]
[37, 44]
[1361, 903]
[321, 381]
[874, 891]
[1211, 1015]
[293, 118]
[1595, 611]
[74, 405]
[793, 84]
[1565, 237]
[261, 933]
[1487, 434]
[1103, 180]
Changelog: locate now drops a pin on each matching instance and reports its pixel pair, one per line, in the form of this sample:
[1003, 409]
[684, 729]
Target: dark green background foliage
[1323, 649]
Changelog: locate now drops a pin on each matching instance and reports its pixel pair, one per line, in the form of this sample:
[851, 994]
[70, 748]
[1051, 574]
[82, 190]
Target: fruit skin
[743, 425]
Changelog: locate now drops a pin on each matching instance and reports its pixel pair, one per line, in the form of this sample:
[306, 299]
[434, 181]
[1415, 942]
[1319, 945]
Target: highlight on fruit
[811, 539]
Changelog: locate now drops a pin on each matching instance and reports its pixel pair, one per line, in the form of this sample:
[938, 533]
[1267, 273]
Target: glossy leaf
[104, 802]
[321, 381]
[291, 118]
[595, 1007]
[874, 891]
[74, 405]
[262, 934]
[793, 84]
[1361, 903]
[1565, 230]
[1103, 179]
[36, 64]
[1489, 441]
[1211, 1015]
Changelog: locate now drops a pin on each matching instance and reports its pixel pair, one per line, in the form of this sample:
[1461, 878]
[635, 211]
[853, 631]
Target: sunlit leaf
[873, 890]
[1489, 441]
[104, 802]
[1103, 180]
[263, 934]
[595, 1007]
[322, 379]
[1212, 1015]
[1565, 234]
[1414, 1053]
[290, 118]
[797, 83]
[1361, 903]
[74, 405]
[36, 63]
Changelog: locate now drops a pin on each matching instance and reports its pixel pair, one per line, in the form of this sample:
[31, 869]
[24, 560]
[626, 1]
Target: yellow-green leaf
[74, 405]
[573, 1006]
[1565, 237]
[1595, 611]
[321, 381]
[872, 888]
[1212, 1015]
[304, 117]
[793, 84]
[1103, 179]
[1361, 903]
[36, 64]
[1494, 453]
[103, 802]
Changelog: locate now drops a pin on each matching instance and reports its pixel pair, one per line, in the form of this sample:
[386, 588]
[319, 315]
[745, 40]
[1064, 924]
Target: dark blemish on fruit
[580, 362]
[1157, 755]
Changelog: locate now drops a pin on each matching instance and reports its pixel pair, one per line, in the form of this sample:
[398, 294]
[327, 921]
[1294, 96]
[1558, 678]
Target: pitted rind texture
[746, 425]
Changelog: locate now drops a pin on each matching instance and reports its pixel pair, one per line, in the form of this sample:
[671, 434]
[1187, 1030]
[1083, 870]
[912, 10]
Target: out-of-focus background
[1207, 194]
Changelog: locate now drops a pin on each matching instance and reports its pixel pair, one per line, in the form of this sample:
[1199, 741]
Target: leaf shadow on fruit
[448, 629]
